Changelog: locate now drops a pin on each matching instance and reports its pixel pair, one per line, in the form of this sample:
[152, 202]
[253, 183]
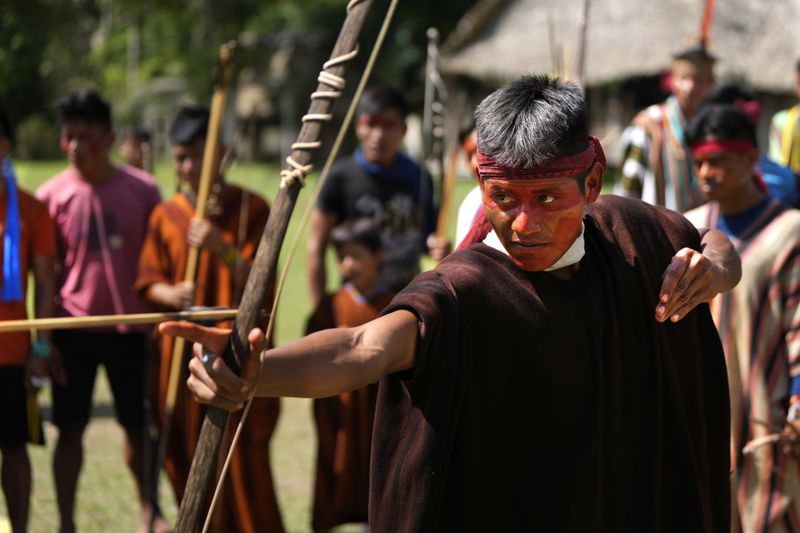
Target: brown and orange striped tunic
[344, 422]
[759, 324]
[248, 499]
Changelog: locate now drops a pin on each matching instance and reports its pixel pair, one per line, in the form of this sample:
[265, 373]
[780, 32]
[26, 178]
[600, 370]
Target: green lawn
[106, 497]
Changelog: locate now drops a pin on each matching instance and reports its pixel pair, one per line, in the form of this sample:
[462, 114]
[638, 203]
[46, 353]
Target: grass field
[106, 498]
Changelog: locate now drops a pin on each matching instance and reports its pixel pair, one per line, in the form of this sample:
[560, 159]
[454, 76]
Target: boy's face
[132, 152]
[470, 147]
[724, 175]
[359, 265]
[381, 135]
[188, 159]
[86, 144]
[690, 84]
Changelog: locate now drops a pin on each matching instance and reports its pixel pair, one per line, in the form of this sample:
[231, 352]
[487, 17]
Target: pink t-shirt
[99, 234]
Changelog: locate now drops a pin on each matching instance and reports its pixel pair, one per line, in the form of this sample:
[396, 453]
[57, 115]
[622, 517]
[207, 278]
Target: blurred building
[629, 49]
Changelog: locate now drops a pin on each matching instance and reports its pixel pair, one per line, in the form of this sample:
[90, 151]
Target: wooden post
[580, 60]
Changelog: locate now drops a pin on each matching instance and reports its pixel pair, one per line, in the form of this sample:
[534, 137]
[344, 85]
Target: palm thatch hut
[628, 46]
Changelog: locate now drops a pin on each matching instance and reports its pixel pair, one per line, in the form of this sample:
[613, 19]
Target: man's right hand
[211, 380]
[182, 295]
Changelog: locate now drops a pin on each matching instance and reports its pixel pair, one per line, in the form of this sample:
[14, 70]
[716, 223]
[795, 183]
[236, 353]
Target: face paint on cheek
[558, 225]
[568, 227]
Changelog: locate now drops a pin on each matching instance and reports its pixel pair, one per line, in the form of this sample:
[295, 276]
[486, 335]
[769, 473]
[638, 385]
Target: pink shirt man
[99, 232]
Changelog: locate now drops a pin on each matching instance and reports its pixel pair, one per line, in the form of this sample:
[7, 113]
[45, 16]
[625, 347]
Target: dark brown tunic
[538, 404]
[344, 424]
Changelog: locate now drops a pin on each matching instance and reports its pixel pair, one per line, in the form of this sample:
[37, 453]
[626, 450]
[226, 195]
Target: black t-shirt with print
[399, 199]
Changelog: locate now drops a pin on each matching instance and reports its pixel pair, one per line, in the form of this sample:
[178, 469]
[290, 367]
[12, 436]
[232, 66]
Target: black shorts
[125, 359]
[19, 416]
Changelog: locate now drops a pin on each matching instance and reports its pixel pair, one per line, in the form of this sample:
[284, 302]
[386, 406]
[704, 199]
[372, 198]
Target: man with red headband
[780, 181]
[656, 164]
[758, 321]
[532, 382]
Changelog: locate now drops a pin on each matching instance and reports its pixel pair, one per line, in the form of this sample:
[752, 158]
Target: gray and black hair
[532, 120]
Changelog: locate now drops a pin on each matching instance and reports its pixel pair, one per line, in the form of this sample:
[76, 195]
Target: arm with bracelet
[43, 361]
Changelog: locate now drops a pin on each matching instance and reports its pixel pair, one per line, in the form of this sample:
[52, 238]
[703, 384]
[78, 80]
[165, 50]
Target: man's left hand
[37, 371]
[204, 234]
[438, 247]
[690, 279]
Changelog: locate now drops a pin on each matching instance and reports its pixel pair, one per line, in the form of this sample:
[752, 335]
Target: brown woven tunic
[344, 423]
[248, 500]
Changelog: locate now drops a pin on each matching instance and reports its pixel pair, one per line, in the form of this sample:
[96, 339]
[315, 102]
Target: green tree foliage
[48, 47]
[21, 52]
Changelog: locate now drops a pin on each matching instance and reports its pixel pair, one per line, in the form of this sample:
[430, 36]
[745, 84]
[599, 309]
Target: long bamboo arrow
[104, 321]
[237, 351]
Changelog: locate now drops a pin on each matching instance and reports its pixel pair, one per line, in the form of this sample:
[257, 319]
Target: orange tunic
[248, 500]
[37, 238]
[344, 423]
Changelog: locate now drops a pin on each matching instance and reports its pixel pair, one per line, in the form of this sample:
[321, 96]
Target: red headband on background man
[562, 167]
[715, 146]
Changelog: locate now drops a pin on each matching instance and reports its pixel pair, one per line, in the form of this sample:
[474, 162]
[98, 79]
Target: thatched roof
[501, 39]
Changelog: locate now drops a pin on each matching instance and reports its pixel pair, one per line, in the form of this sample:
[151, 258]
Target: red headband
[717, 146]
[554, 168]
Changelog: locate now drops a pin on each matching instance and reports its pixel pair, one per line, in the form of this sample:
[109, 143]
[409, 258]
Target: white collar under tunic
[572, 256]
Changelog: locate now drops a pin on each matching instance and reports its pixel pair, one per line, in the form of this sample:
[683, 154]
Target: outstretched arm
[695, 277]
[322, 364]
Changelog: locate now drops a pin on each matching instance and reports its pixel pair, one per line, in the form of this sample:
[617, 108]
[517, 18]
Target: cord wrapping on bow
[297, 172]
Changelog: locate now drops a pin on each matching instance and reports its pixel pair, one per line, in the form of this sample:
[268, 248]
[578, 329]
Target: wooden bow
[264, 266]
